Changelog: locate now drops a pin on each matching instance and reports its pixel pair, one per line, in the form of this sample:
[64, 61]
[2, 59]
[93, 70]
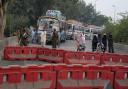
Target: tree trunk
[3, 7]
[1, 21]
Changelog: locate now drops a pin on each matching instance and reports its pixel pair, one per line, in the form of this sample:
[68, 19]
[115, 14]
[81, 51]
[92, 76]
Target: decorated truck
[53, 20]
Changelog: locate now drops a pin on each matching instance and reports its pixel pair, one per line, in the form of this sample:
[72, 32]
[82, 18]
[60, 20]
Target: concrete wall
[10, 41]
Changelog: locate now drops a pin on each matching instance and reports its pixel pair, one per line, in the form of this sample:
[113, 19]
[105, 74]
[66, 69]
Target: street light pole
[95, 4]
[114, 12]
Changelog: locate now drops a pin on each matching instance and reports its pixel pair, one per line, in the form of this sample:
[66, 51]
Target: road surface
[71, 45]
[68, 45]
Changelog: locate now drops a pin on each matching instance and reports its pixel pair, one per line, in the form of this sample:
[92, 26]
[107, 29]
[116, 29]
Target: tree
[72, 9]
[119, 30]
[30, 8]
[100, 20]
[69, 8]
[3, 6]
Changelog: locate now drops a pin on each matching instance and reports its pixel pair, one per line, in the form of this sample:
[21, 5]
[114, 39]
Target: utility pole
[95, 4]
[114, 7]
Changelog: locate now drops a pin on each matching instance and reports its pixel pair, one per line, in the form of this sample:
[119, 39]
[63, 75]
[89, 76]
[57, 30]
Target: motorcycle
[81, 48]
[100, 47]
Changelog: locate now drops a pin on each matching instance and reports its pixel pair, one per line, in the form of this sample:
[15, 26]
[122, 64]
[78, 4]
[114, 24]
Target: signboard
[53, 13]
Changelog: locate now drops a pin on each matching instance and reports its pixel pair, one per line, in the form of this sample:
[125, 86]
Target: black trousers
[110, 49]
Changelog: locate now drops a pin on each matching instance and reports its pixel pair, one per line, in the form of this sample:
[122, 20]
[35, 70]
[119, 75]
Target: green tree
[68, 7]
[72, 9]
[119, 30]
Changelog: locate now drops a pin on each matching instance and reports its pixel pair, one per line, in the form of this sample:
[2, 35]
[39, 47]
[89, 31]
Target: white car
[70, 35]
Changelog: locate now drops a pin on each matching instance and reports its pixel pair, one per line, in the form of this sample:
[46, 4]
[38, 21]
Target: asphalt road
[71, 45]
[68, 45]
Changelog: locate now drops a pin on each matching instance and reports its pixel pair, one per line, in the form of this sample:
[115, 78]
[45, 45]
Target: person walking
[99, 38]
[104, 41]
[36, 36]
[110, 43]
[54, 38]
[41, 27]
[81, 43]
[24, 38]
[19, 34]
[33, 36]
[94, 43]
[43, 38]
[59, 38]
[100, 45]
[77, 39]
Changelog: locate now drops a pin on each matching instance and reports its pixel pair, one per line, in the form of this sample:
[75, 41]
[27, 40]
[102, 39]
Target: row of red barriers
[82, 58]
[33, 53]
[20, 53]
[64, 76]
[50, 55]
[31, 77]
[61, 56]
[114, 59]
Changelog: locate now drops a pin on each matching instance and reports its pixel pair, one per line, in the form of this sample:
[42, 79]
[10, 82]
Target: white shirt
[43, 36]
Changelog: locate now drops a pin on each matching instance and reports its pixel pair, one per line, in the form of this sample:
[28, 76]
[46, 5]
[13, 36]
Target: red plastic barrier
[13, 74]
[114, 59]
[1, 75]
[83, 77]
[20, 53]
[29, 53]
[121, 78]
[100, 72]
[96, 78]
[51, 55]
[67, 76]
[27, 77]
[61, 56]
[10, 77]
[117, 67]
[59, 67]
[62, 76]
[82, 58]
[10, 51]
[106, 58]
[124, 58]
[43, 76]
[95, 67]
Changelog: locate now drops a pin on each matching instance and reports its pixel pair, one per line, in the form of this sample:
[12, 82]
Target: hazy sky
[106, 6]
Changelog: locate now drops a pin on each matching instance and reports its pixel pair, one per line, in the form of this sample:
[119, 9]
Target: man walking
[110, 43]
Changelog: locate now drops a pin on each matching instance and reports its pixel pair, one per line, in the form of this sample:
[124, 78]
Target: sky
[109, 7]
